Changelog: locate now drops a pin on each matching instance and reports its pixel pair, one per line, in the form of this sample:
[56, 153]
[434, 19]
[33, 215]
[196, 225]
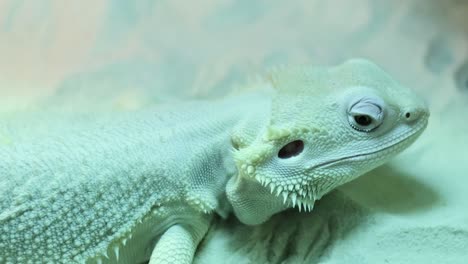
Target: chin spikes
[292, 200]
[293, 194]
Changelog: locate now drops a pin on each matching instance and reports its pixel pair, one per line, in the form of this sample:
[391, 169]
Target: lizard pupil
[291, 149]
[363, 120]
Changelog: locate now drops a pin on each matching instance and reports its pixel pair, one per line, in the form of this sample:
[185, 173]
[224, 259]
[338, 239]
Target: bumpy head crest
[296, 79]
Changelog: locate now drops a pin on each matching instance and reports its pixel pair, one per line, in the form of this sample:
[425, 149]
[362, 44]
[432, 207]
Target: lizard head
[326, 127]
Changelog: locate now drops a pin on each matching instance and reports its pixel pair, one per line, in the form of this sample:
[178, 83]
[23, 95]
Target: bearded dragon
[145, 185]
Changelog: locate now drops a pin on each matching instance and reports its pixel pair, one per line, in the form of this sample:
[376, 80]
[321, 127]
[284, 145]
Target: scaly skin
[139, 186]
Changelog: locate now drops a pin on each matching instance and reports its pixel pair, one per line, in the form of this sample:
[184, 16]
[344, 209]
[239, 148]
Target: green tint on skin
[140, 186]
[316, 106]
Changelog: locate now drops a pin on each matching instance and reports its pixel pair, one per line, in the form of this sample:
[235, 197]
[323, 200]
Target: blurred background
[109, 54]
[90, 50]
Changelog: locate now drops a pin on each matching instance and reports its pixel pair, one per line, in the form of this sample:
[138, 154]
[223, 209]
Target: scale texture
[144, 185]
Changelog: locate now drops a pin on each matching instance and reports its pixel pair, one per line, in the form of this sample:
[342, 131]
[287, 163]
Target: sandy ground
[124, 55]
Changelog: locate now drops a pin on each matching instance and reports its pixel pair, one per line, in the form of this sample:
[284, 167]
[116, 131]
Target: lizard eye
[363, 120]
[366, 114]
[291, 149]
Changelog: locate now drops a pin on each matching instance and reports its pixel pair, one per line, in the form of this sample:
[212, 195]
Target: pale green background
[127, 54]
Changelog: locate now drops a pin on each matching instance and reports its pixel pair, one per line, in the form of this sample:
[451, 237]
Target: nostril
[412, 115]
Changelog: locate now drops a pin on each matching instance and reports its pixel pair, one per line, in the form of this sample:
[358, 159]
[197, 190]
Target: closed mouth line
[417, 131]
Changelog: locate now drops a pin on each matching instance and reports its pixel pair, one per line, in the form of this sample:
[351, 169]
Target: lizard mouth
[304, 197]
[395, 145]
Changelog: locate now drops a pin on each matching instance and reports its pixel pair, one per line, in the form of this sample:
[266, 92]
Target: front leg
[178, 244]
